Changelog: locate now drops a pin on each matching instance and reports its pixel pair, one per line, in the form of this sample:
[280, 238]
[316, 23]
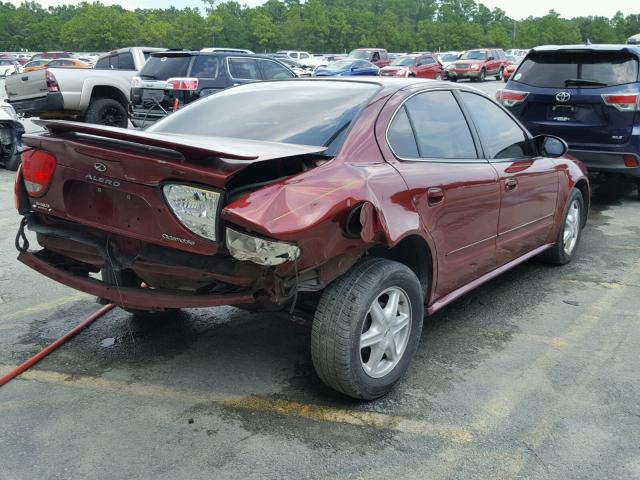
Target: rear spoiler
[189, 146]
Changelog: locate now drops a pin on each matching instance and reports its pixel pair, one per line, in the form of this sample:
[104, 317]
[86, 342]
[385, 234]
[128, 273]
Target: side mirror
[550, 146]
[353, 68]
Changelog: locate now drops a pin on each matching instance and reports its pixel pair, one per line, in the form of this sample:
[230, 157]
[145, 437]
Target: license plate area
[562, 113]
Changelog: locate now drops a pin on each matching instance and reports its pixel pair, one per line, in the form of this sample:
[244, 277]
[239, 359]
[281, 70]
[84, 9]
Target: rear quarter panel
[571, 173]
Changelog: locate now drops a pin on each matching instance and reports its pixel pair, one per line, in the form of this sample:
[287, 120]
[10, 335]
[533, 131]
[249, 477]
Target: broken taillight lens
[511, 98]
[627, 102]
[182, 84]
[37, 170]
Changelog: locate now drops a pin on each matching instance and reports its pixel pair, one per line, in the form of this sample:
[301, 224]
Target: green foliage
[313, 25]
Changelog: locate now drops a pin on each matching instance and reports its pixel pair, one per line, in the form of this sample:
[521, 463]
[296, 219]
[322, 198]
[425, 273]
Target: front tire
[483, 75]
[107, 111]
[500, 74]
[570, 232]
[367, 327]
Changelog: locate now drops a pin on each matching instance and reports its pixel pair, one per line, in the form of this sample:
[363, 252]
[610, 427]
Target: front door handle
[435, 195]
[510, 184]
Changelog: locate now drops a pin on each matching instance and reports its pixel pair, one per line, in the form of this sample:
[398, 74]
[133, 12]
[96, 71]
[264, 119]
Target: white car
[11, 131]
[9, 66]
[447, 58]
[303, 58]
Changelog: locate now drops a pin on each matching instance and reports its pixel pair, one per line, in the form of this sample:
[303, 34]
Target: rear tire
[107, 111]
[345, 318]
[500, 74]
[453, 79]
[13, 161]
[570, 231]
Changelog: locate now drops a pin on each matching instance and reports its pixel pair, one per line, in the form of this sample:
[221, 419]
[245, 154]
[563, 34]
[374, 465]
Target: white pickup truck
[94, 95]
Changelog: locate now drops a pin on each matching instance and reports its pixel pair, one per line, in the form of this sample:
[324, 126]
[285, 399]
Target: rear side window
[440, 127]
[400, 136]
[103, 63]
[205, 66]
[125, 61]
[501, 137]
[274, 71]
[553, 69]
[163, 68]
[243, 68]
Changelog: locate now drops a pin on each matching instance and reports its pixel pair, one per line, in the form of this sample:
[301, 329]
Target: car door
[429, 67]
[528, 182]
[272, 70]
[456, 193]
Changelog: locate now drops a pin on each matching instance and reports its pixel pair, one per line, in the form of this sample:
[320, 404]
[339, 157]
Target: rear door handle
[435, 195]
[510, 184]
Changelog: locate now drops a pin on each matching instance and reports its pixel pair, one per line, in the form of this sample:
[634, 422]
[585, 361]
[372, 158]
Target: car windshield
[474, 55]
[276, 112]
[163, 67]
[448, 57]
[339, 65]
[360, 54]
[557, 69]
[404, 61]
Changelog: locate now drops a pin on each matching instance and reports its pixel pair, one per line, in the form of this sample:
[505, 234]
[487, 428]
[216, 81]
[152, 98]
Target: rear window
[165, 67]
[553, 69]
[275, 111]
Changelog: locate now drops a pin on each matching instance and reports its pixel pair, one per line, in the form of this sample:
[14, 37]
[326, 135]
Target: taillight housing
[16, 188]
[625, 102]
[182, 83]
[52, 83]
[38, 167]
[511, 98]
[136, 82]
[630, 161]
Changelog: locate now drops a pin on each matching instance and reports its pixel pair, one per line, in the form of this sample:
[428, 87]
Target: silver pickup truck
[94, 95]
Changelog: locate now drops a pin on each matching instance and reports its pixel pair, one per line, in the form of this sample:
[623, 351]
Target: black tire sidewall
[94, 112]
[393, 277]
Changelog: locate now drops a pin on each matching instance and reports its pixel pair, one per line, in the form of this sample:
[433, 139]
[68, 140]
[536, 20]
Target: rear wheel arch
[583, 186]
[414, 252]
[105, 91]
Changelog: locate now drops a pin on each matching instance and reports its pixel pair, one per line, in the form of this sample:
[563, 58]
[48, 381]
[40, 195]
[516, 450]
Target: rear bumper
[606, 161]
[139, 298]
[52, 102]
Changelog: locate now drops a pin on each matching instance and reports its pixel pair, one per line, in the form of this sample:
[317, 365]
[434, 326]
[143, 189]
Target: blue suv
[589, 95]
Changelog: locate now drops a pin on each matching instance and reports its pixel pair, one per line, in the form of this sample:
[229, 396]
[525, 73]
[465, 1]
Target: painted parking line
[255, 403]
[50, 305]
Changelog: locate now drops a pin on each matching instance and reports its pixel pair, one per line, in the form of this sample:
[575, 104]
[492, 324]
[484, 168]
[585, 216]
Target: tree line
[319, 26]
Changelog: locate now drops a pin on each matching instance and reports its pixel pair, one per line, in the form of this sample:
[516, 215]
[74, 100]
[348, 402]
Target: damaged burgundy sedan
[360, 204]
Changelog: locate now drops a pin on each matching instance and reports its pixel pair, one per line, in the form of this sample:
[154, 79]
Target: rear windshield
[275, 111]
[163, 68]
[553, 69]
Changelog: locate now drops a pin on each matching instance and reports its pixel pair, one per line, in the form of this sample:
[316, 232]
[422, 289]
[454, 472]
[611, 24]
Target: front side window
[274, 71]
[243, 68]
[501, 137]
[440, 127]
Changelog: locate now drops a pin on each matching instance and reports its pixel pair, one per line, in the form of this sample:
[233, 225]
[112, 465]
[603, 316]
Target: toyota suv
[589, 95]
[170, 80]
[478, 64]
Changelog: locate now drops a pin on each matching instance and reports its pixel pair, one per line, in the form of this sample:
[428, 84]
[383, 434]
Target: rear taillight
[627, 102]
[135, 82]
[182, 83]
[630, 161]
[510, 98]
[52, 83]
[37, 170]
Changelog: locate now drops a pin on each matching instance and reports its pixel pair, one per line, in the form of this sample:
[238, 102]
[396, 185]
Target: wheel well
[414, 252]
[108, 92]
[584, 189]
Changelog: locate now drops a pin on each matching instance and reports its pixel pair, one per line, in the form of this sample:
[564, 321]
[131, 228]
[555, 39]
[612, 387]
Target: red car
[420, 65]
[510, 69]
[393, 199]
[477, 65]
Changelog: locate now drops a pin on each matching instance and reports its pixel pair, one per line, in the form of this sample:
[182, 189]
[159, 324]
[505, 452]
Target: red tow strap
[46, 351]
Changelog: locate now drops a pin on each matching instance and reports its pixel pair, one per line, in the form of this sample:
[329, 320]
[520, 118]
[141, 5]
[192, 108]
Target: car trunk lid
[110, 178]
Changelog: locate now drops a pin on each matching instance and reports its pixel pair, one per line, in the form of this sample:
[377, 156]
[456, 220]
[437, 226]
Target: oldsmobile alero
[362, 204]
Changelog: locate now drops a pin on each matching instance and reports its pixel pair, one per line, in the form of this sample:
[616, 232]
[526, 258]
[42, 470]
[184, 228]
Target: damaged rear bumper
[140, 298]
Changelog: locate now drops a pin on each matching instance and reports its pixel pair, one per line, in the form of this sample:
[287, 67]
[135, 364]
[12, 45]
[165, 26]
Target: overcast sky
[515, 8]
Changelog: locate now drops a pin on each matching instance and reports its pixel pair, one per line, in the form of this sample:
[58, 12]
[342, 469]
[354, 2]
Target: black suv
[172, 79]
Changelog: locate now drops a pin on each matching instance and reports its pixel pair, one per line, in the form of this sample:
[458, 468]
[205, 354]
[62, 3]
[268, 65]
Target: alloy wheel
[571, 227]
[385, 332]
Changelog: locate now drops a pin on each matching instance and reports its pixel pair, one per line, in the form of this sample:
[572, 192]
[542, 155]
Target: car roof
[603, 47]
